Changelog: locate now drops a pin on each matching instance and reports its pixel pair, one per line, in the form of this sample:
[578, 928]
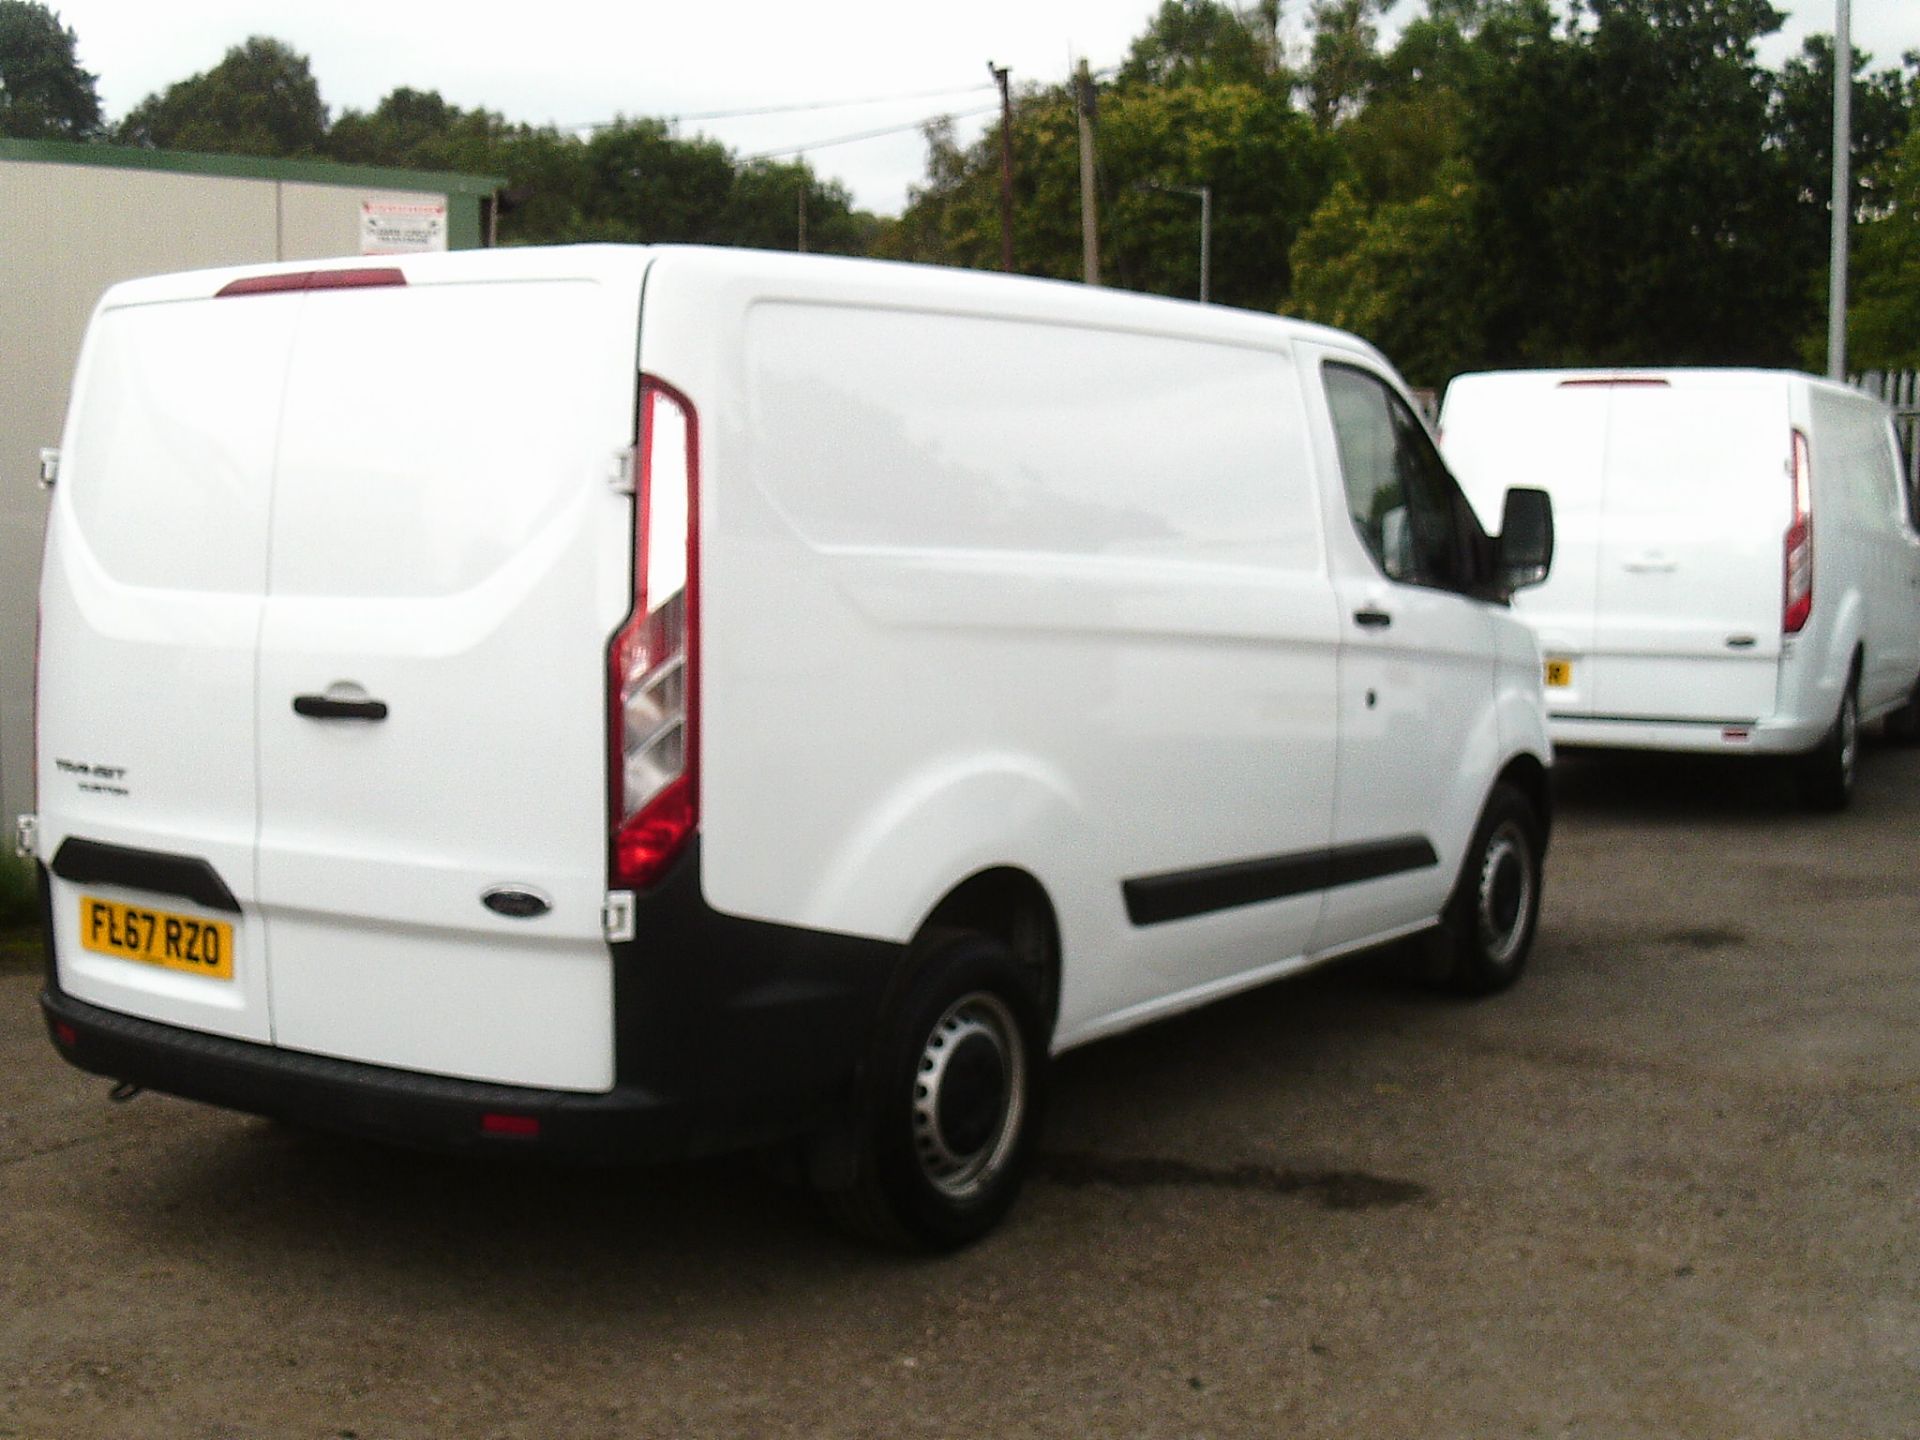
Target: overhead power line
[919, 124]
[794, 108]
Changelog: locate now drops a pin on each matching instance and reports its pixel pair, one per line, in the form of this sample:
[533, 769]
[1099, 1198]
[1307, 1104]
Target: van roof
[885, 279]
[1678, 375]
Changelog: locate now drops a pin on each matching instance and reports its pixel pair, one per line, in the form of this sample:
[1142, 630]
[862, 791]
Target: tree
[1801, 120]
[44, 94]
[413, 129]
[1344, 61]
[261, 99]
[1261, 159]
[1398, 273]
[763, 210]
[1883, 318]
[1203, 42]
[1626, 201]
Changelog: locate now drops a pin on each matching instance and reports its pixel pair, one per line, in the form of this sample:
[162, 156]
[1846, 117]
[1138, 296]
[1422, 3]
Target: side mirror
[1526, 540]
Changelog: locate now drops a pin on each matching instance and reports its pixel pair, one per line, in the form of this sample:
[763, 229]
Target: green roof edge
[247, 167]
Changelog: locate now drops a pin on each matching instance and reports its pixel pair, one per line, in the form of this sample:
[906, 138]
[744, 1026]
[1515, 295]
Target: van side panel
[152, 588]
[1864, 551]
[1003, 589]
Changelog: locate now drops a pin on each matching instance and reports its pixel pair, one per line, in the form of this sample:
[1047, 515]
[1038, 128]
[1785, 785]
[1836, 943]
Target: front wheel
[952, 1101]
[1486, 931]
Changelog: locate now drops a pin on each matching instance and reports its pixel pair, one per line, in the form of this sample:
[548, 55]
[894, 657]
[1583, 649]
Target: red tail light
[652, 730]
[1797, 601]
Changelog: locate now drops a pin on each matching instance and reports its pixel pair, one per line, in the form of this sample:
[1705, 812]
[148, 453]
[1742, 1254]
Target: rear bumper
[728, 1033]
[1699, 737]
[368, 1100]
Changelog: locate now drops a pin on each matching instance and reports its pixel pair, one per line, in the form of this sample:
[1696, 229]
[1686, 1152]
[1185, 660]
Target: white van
[635, 702]
[1738, 569]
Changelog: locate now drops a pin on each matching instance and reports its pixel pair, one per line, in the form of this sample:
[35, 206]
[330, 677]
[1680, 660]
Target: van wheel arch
[1011, 906]
[1824, 776]
[1526, 774]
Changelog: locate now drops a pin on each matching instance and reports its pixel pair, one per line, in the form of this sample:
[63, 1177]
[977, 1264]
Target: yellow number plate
[1559, 672]
[157, 937]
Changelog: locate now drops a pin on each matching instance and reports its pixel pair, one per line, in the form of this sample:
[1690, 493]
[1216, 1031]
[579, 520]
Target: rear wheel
[952, 1101]
[1903, 725]
[1824, 775]
[1486, 931]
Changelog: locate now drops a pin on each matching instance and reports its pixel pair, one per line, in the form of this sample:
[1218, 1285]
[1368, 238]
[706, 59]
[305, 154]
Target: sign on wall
[402, 227]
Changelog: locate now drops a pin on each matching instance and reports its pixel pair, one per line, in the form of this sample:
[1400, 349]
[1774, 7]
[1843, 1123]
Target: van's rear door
[1548, 431]
[150, 606]
[1696, 507]
[450, 548]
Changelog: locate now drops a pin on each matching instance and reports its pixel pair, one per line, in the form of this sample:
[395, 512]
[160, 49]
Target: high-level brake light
[1797, 598]
[1617, 382]
[652, 724]
[366, 277]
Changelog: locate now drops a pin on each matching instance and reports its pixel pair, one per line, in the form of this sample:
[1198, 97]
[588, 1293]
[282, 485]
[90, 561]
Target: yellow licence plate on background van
[1559, 672]
[157, 937]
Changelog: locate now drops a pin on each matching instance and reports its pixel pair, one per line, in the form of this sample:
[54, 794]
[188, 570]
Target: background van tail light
[1797, 601]
[653, 779]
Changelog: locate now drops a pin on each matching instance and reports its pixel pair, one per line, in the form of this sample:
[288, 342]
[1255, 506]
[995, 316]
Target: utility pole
[1206, 244]
[1842, 190]
[803, 217]
[1000, 74]
[1089, 200]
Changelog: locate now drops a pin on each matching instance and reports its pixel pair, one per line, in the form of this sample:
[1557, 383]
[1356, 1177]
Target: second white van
[639, 702]
[1738, 569]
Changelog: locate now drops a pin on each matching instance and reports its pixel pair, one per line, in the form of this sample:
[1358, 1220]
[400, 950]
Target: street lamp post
[1205, 195]
[1842, 191]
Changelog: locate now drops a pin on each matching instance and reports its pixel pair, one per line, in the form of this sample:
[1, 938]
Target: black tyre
[1903, 725]
[1486, 931]
[952, 1101]
[1824, 775]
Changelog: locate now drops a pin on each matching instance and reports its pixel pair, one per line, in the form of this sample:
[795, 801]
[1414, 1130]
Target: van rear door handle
[1372, 619]
[323, 707]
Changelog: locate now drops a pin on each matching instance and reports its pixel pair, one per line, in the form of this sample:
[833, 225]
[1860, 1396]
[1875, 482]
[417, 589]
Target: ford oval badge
[519, 902]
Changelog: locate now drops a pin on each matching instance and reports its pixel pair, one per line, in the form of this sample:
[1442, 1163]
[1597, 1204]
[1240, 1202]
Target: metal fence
[1901, 390]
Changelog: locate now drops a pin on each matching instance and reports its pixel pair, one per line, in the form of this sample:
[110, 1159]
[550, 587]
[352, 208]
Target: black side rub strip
[1177, 894]
[87, 862]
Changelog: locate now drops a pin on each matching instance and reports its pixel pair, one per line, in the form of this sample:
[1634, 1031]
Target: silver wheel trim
[979, 1015]
[1501, 941]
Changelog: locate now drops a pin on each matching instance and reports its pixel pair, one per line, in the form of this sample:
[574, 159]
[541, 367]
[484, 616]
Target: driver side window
[1402, 500]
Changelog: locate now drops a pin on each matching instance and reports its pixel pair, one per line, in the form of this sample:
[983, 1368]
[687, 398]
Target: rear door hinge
[26, 836]
[620, 475]
[617, 915]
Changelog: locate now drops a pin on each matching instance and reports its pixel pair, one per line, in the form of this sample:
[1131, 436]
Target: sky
[575, 62]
